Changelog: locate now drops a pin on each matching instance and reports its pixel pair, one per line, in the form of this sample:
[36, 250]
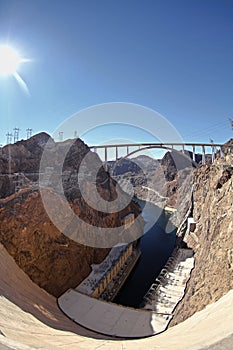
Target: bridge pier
[213, 154]
[203, 155]
[106, 154]
[194, 157]
[116, 153]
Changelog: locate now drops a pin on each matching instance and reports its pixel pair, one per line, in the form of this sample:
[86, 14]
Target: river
[156, 246]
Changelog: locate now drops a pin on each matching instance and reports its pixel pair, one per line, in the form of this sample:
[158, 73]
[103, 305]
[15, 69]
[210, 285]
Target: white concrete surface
[100, 271]
[166, 296]
[111, 319]
[31, 319]
[120, 321]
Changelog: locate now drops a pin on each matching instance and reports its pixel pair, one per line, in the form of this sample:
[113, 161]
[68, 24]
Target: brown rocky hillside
[51, 259]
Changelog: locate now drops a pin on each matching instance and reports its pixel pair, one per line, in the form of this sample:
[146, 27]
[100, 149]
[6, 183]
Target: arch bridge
[126, 149]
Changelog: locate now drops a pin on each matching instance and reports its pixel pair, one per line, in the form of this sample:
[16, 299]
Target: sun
[10, 60]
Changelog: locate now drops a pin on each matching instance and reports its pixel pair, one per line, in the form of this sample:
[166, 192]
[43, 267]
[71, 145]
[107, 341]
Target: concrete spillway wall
[107, 277]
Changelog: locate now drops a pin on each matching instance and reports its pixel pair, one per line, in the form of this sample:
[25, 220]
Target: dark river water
[156, 246]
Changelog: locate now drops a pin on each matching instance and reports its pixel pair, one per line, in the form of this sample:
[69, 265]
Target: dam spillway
[87, 306]
[125, 322]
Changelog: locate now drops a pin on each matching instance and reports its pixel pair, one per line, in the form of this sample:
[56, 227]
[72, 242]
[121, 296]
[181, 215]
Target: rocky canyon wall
[51, 259]
[212, 240]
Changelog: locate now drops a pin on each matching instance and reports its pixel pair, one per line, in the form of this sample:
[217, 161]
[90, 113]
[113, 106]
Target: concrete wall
[114, 271]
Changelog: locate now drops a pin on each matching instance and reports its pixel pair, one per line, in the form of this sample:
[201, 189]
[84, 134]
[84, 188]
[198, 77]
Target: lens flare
[10, 61]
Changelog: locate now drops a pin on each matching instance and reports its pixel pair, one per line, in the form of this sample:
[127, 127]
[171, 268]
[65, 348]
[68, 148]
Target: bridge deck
[159, 144]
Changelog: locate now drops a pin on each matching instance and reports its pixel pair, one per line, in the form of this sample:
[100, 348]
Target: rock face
[134, 165]
[162, 182]
[211, 241]
[22, 157]
[50, 258]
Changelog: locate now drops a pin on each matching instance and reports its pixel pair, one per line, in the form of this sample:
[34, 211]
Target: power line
[211, 127]
[208, 130]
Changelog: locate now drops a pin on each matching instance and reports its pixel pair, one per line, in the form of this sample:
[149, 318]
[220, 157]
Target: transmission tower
[16, 134]
[75, 134]
[60, 135]
[9, 138]
[29, 133]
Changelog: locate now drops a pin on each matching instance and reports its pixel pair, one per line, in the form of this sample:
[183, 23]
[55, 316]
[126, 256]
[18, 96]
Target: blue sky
[173, 56]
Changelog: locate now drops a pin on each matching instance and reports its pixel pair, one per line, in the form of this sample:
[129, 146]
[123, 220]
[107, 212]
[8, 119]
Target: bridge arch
[157, 147]
[180, 159]
[167, 146]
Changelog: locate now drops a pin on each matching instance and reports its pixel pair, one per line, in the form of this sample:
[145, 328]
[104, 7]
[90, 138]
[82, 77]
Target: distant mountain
[133, 165]
[154, 179]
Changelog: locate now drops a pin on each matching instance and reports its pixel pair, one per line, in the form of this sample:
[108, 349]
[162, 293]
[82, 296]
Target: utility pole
[16, 134]
[29, 133]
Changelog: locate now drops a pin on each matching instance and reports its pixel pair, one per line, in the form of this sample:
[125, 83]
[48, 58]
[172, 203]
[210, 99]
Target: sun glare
[9, 60]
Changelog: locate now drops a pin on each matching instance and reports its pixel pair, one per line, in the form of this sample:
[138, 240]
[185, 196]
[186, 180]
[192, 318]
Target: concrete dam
[30, 319]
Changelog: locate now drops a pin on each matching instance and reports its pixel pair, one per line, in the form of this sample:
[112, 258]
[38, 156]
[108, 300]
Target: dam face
[31, 319]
